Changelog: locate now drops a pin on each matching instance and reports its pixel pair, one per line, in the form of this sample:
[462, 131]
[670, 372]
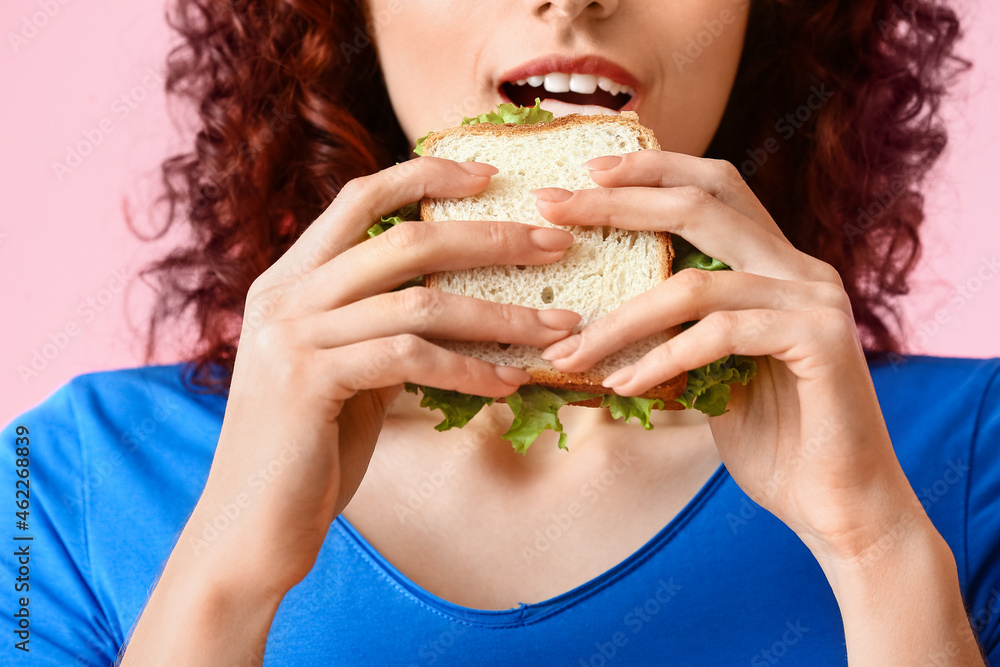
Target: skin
[325, 348]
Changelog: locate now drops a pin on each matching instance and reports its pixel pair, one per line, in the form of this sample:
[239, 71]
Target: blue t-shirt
[118, 461]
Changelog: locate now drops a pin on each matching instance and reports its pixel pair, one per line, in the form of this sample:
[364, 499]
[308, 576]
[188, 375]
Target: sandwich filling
[535, 407]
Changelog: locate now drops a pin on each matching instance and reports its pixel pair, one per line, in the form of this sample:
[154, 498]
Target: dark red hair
[291, 106]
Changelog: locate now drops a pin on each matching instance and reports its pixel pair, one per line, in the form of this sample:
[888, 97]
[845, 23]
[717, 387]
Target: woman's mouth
[591, 93]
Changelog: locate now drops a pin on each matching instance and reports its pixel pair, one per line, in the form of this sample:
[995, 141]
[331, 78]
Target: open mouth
[579, 89]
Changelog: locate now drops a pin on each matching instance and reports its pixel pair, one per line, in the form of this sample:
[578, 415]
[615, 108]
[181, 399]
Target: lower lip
[559, 108]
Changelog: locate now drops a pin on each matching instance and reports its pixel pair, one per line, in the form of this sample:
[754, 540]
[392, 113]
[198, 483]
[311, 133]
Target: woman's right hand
[325, 347]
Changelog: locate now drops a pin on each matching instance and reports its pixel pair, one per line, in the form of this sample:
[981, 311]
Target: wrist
[907, 581]
[886, 530]
[873, 520]
[228, 561]
[910, 544]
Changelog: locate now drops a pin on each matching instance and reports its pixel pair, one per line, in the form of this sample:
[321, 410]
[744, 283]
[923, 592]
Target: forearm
[203, 611]
[900, 600]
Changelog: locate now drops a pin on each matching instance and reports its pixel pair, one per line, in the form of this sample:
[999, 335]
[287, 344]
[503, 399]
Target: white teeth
[585, 84]
[557, 82]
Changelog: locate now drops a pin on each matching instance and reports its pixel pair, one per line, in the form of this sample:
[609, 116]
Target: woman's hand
[324, 348]
[805, 438]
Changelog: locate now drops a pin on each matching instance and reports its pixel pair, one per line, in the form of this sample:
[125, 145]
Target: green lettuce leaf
[505, 113]
[535, 410]
[458, 408]
[708, 387]
[626, 407]
[512, 113]
[686, 256]
[408, 212]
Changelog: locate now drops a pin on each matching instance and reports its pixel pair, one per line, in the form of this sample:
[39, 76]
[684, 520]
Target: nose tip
[571, 9]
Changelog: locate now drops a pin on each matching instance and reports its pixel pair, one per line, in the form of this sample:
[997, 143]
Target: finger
[362, 201]
[435, 314]
[418, 248]
[711, 226]
[689, 295]
[664, 169]
[817, 337]
[384, 362]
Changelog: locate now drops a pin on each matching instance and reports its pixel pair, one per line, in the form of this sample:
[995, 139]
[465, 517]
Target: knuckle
[422, 303]
[824, 272]
[407, 346]
[259, 284]
[694, 283]
[695, 196]
[276, 338]
[261, 307]
[830, 295]
[727, 174]
[508, 316]
[410, 236]
[602, 204]
[356, 188]
[721, 323]
[499, 234]
[835, 324]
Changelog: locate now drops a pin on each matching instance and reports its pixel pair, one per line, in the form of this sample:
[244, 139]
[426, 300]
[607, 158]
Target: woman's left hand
[805, 438]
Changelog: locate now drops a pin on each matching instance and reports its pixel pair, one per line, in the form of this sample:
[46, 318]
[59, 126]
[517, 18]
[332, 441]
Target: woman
[306, 511]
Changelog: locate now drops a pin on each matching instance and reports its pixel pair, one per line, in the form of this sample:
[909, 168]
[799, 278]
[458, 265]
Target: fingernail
[563, 348]
[620, 376]
[479, 168]
[558, 319]
[602, 163]
[551, 240]
[552, 194]
[512, 375]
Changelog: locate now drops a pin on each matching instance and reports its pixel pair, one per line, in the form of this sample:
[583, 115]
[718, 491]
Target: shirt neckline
[525, 614]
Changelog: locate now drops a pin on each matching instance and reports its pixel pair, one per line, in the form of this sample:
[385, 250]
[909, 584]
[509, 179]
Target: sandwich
[604, 268]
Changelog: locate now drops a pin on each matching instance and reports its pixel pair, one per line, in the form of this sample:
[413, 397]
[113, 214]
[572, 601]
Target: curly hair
[833, 121]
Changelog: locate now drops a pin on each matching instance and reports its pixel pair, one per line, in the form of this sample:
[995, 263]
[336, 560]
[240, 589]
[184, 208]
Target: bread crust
[666, 391]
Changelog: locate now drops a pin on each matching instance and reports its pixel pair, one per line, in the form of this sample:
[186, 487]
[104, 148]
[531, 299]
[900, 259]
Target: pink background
[92, 73]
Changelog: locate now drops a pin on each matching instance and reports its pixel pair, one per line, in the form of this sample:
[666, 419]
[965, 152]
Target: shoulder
[124, 425]
[896, 376]
[933, 404]
[937, 409]
[122, 452]
[132, 418]
[944, 418]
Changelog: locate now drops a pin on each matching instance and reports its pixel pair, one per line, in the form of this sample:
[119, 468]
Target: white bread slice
[603, 268]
